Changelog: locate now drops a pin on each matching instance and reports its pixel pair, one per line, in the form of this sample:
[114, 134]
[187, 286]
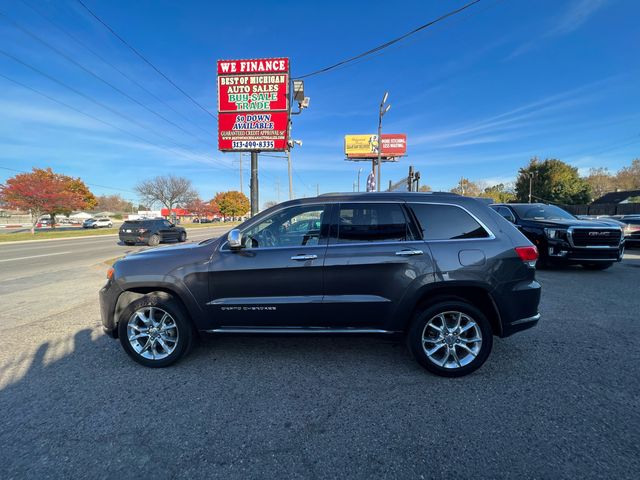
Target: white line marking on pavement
[33, 256]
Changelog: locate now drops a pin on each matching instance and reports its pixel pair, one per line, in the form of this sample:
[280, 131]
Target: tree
[269, 204]
[168, 190]
[113, 203]
[553, 181]
[628, 178]
[424, 188]
[78, 188]
[43, 191]
[467, 188]
[201, 209]
[600, 181]
[232, 204]
[499, 193]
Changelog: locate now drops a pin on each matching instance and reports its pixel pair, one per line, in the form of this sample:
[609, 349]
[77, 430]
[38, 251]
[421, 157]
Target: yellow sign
[364, 146]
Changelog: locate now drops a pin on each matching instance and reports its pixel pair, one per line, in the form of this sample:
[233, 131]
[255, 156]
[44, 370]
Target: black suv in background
[151, 232]
[562, 238]
[445, 270]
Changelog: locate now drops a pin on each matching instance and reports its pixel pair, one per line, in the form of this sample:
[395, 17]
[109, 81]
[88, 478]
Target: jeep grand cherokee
[447, 271]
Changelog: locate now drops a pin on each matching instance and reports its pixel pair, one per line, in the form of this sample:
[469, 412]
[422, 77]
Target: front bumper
[560, 251]
[108, 300]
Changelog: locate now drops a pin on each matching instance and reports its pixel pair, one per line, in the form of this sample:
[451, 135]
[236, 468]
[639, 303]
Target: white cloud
[578, 13]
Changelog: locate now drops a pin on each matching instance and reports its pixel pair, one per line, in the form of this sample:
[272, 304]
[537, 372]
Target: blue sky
[477, 95]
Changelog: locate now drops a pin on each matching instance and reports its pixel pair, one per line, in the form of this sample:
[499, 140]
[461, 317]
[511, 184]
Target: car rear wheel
[154, 240]
[597, 266]
[154, 330]
[182, 237]
[451, 338]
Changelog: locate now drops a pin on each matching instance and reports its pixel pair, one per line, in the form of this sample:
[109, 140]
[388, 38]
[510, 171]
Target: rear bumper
[518, 306]
[133, 238]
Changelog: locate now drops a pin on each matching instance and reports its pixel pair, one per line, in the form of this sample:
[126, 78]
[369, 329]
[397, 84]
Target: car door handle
[408, 253]
[304, 257]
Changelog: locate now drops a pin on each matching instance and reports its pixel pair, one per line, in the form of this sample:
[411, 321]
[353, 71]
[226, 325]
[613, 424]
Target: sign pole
[254, 183]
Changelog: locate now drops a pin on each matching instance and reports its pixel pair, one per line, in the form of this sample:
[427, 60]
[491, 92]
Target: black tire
[419, 325]
[182, 237]
[597, 266]
[95, 225]
[154, 240]
[161, 302]
[129, 243]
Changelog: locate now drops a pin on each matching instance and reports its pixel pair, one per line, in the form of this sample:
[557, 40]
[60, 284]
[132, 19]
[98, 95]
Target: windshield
[542, 212]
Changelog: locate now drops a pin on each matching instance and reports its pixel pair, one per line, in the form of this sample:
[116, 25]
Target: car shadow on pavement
[268, 406]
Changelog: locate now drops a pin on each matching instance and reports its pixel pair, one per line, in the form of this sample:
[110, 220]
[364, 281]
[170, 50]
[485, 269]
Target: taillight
[528, 254]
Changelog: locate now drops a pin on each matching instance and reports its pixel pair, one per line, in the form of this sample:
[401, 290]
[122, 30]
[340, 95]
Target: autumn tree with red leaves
[43, 191]
[201, 209]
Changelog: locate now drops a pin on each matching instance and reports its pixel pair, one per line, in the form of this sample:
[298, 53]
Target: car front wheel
[154, 330]
[451, 338]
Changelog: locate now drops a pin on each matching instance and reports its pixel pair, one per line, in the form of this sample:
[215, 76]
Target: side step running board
[296, 330]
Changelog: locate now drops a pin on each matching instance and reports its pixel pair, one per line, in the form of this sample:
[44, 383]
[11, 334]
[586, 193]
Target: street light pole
[359, 172]
[530, 184]
[383, 109]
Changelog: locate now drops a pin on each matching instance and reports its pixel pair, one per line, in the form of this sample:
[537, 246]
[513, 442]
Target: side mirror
[235, 239]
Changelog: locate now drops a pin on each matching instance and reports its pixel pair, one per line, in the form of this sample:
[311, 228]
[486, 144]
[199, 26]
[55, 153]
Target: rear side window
[446, 222]
[372, 222]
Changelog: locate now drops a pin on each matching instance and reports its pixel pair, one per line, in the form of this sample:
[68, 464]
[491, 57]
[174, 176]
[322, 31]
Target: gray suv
[446, 271]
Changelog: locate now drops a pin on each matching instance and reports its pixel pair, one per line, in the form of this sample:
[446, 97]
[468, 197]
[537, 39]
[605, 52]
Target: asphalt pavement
[557, 401]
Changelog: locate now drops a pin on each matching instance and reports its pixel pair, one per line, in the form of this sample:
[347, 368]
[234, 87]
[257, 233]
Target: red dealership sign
[394, 144]
[253, 104]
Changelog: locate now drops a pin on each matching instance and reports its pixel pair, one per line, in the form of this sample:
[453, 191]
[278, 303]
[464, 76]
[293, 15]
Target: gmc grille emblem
[598, 234]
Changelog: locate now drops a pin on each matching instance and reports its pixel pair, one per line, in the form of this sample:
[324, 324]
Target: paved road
[559, 401]
[49, 277]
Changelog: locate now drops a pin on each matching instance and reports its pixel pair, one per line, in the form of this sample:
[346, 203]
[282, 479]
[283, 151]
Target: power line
[106, 107]
[204, 109]
[93, 74]
[107, 62]
[127, 132]
[389, 43]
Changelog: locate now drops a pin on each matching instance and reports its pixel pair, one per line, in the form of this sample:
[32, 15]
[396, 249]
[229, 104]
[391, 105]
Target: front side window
[446, 222]
[372, 222]
[292, 227]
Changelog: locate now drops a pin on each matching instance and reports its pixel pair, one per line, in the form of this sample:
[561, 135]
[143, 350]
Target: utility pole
[359, 172]
[417, 180]
[277, 190]
[254, 184]
[317, 189]
[290, 176]
[241, 182]
[383, 109]
[530, 184]
[410, 179]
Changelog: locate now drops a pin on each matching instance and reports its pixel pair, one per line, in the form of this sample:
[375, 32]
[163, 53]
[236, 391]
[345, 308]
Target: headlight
[555, 233]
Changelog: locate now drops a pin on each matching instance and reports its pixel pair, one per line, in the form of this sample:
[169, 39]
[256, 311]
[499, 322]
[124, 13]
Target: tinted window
[505, 212]
[542, 212]
[372, 222]
[446, 222]
[292, 227]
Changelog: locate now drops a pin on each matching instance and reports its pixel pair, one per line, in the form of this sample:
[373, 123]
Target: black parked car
[563, 238]
[151, 232]
[446, 270]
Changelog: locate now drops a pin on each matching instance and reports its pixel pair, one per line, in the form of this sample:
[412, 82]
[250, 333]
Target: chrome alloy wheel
[451, 339]
[153, 333]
